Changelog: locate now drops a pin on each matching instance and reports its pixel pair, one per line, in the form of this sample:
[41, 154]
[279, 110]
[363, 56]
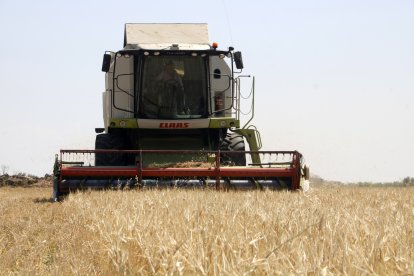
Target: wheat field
[328, 230]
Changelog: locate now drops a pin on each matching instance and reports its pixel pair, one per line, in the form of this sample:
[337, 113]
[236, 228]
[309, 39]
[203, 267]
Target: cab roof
[164, 36]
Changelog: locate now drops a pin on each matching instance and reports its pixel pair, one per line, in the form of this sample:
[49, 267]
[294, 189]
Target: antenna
[228, 21]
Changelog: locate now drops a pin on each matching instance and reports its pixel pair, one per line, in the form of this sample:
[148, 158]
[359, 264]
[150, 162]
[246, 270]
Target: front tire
[107, 141]
[233, 142]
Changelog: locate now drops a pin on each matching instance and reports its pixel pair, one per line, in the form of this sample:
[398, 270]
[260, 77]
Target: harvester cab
[171, 112]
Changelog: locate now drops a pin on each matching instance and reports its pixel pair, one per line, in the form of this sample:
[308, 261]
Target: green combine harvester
[171, 112]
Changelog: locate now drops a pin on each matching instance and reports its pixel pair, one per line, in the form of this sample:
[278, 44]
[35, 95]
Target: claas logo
[174, 125]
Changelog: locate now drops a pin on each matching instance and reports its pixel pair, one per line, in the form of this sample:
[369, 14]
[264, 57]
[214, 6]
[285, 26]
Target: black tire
[109, 141]
[233, 142]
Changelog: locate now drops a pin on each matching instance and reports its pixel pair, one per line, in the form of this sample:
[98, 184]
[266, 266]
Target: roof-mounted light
[215, 45]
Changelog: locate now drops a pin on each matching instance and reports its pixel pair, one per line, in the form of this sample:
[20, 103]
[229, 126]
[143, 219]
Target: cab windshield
[173, 87]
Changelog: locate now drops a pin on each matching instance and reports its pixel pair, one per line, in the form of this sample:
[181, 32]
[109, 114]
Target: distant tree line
[407, 181]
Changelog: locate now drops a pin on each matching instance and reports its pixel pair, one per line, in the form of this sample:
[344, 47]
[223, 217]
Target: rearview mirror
[106, 63]
[238, 60]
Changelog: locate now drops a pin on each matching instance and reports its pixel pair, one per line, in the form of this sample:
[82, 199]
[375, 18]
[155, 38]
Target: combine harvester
[171, 109]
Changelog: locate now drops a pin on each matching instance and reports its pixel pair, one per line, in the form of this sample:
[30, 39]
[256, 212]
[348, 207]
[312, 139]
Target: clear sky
[334, 79]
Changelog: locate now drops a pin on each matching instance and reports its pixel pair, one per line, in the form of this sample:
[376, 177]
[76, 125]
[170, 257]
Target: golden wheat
[339, 230]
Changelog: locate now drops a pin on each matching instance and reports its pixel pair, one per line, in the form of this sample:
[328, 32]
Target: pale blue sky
[334, 79]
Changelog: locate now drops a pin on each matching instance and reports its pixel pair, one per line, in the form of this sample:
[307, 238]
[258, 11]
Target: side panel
[105, 104]
[220, 86]
[120, 97]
